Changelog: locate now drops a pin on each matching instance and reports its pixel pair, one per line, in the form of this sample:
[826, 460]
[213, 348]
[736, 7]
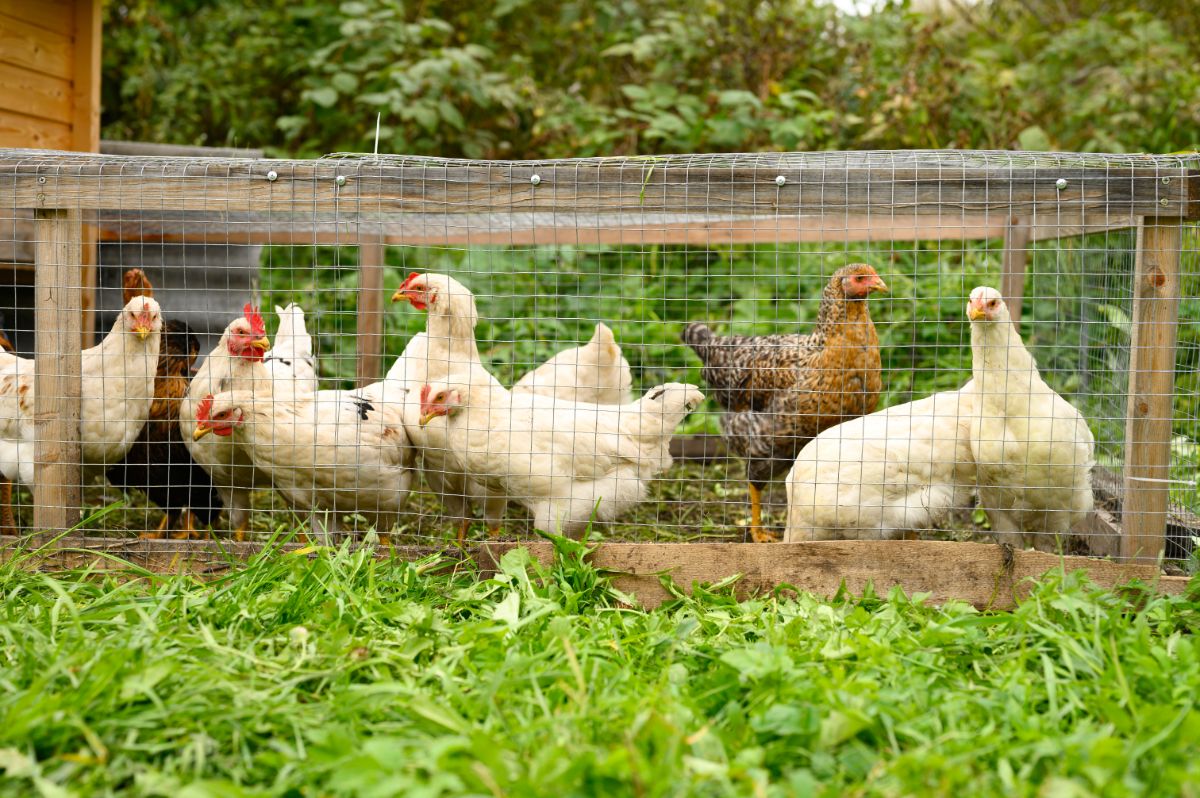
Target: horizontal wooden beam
[985, 575]
[1063, 195]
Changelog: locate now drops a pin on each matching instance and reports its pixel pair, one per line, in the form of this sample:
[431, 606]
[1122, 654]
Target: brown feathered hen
[780, 391]
[159, 463]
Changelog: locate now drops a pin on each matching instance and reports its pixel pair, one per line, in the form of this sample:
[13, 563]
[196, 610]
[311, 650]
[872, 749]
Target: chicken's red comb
[204, 409]
[257, 325]
[407, 280]
[425, 391]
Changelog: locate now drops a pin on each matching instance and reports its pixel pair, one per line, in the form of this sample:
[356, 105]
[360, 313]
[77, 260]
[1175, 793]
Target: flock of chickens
[568, 441]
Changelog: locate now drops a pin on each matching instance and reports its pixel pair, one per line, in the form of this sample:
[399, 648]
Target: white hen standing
[596, 372]
[566, 462]
[117, 389]
[880, 476]
[1033, 451]
[235, 364]
[326, 451]
[290, 361]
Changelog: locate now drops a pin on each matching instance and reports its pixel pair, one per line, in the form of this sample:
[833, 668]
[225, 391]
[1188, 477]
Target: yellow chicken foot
[757, 533]
[239, 534]
[159, 532]
[462, 531]
[187, 524]
[495, 531]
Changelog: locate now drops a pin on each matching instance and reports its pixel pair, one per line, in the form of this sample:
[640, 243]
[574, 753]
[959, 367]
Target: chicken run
[733, 374]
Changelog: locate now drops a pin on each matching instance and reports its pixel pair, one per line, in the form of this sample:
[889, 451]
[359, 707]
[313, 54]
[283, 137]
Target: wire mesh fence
[691, 348]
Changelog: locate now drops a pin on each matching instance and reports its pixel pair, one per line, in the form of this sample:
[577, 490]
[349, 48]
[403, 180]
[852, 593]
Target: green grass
[345, 676]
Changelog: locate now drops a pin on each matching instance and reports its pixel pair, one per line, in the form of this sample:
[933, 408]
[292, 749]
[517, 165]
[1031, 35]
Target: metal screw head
[272, 175]
[1164, 202]
[780, 180]
[340, 180]
[1166, 181]
[42, 179]
[535, 179]
[1061, 183]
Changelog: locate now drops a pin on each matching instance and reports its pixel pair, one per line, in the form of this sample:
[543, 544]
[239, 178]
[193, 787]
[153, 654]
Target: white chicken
[446, 350]
[880, 476]
[235, 364]
[566, 462]
[117, 389]
[326, 451]
[596, 372]
[1033, 451]
[290, 361]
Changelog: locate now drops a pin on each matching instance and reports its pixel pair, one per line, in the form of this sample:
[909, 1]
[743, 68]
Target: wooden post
[58, 313]
[371, 256]
[1149, 407]
[1016, 256]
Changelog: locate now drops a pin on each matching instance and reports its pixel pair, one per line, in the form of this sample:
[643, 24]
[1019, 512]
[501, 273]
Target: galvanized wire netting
[549, 250]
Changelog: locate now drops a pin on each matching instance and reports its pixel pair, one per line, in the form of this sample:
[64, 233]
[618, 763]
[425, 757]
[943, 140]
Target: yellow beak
[200, 432]
[142, 332]
[263, 343]
[430, 416]
[975, 312]
[880, 286]
[399, 295]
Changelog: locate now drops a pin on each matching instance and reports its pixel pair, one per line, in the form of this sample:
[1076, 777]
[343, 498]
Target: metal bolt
[1061, 183]
[42, 179]
[1164, 202]
[780, 180]
[272, 175]
[1166, 181]
[535, 179]
[340, 180]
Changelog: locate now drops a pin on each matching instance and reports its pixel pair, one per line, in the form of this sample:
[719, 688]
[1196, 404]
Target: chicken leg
[463, 526]
[757, 533]
[158, 532]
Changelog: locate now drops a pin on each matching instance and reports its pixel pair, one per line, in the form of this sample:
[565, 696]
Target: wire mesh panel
[944, 345]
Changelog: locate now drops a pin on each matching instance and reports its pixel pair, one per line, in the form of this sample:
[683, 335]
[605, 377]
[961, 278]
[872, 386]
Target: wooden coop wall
[374, 204]
[50, 74]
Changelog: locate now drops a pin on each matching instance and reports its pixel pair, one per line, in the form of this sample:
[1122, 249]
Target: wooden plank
[283, 230]
[986, 575]
[54, 15]
[20, 130]
[86, 77]
[57, 476]
[1016, 256]
[1149, 409]
[1043, 230]
[305, 187]
[35, 94]
[36, 48]
[371, 260]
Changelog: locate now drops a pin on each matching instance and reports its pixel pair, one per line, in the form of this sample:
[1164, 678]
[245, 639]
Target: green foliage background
[535, 78]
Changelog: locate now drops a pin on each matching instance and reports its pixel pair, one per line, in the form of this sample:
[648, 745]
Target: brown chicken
[159, 463]
[780, 391]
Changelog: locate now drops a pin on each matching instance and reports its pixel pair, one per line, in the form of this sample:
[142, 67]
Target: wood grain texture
[1016, 256]
[35, 94]
[1149, 403]
[85, 127]
[597, 186]
[33, 47]
[371, 260]
[57, 493]
[21, 130]
[982, 574]
[53, 15]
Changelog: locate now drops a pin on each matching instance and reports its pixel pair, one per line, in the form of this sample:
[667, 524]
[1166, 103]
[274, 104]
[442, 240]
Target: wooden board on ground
[987, 576]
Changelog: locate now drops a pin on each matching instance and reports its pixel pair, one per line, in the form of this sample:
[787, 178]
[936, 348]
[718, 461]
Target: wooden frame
[651, 203]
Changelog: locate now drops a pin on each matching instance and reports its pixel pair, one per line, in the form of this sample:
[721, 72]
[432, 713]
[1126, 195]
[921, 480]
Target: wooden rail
[1071, 195]
[987, 576]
